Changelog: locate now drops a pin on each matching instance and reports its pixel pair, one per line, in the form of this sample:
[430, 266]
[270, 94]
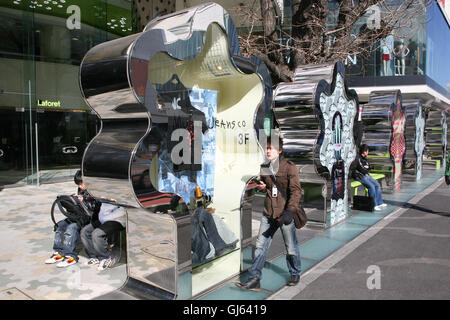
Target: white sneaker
[377, 208]
[56, 257]
[383, 205]
[68, 261]
[92, 261]
[104, 264]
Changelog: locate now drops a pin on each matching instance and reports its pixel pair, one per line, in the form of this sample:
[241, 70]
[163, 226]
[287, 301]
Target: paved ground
[411, 252]
[404, 256]
[26, 234]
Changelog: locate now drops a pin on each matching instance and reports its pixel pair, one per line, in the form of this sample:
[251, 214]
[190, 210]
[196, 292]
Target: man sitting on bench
[360, 169]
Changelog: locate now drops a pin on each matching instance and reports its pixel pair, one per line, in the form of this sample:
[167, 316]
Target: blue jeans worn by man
[64, 244]
[374, 189]
[267, 230]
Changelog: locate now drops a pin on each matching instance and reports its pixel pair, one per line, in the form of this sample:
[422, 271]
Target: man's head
[274, 147]
[78, 179]
[364, 150]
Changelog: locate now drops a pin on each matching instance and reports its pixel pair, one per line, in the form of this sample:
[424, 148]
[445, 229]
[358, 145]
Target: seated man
[67, 232]
[105, 222]
[360, 169]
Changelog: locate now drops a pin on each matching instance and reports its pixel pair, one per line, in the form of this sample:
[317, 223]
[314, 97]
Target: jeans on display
[66, 238]
[202, 220]
[267, 229]
[374, 189]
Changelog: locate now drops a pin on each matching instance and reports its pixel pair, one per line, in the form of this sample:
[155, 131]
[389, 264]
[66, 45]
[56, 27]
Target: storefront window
[401, 53]
[45, 123]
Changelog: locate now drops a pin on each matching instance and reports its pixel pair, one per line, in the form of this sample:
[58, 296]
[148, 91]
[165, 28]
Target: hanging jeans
[267, 229]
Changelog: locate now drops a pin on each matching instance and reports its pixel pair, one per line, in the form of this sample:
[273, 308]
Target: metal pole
[37, 153]
[31, 130]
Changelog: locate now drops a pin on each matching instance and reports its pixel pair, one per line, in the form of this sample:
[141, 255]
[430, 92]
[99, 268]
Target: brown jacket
[288, 179]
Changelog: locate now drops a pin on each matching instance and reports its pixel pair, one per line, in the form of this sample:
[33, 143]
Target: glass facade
[45, 125]
[437, 63]
[402, 53]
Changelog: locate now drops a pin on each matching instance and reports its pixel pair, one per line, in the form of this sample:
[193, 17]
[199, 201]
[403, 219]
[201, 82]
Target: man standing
[281, 183]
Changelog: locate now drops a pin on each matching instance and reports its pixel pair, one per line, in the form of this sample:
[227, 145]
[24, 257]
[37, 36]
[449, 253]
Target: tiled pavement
[26, 234]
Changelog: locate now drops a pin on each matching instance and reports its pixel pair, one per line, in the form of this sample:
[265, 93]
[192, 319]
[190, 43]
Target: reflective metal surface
[384, 122]
[178, 75]
[316, 114]
[414, 139]
[435, 134]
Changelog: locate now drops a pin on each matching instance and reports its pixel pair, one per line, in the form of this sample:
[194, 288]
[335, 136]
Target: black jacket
[360, 167]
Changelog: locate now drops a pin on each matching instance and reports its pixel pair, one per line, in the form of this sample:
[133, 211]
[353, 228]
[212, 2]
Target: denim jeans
[374, 189]
[66, 238]
[201, 218]
[95, 240]
[267, 229]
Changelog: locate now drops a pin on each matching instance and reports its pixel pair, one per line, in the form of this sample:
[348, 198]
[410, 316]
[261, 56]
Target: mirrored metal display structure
[177, 113]
[435, 136]
[384, 122]
[316, 114]
[414, 139]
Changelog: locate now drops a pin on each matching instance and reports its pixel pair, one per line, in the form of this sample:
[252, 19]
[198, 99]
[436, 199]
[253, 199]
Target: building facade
[414, 60]
[45, 125]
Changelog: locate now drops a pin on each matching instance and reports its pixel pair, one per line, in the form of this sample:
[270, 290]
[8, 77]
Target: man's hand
[260, 185]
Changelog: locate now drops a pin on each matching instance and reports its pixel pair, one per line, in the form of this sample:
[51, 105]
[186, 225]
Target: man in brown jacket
[281, 183]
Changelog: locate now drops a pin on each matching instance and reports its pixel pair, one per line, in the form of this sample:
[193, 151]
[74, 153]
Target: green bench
[355, 184]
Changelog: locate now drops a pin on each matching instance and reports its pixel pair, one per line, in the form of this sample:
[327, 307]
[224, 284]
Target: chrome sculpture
[179, 108]
[435, 135]
[316, 114]
[384, 132]
[415, 139]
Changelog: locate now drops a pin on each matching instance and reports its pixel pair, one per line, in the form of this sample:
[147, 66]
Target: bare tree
[319, 34]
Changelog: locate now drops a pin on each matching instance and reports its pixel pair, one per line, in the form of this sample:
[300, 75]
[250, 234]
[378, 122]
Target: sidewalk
[26, 234]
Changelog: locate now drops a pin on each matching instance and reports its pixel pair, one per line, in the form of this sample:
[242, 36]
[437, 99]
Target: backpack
[74, 209]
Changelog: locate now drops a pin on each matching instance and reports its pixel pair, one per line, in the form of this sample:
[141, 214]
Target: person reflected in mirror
[280, 181]
[360, 169]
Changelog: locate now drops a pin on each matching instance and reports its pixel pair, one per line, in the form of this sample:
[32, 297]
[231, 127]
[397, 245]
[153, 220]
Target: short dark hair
[78, 178]
[363, 148]
[277, 139]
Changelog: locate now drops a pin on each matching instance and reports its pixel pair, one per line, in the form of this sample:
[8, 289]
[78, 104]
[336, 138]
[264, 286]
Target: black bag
[74, 209]
[363, 203]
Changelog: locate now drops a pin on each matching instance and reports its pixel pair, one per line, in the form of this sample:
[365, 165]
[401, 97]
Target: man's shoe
[68, 261]
[252, 284]
[92, 261]
[377, 208]
[293, 280]
[56, 257]
[105, 263]
[383, 205]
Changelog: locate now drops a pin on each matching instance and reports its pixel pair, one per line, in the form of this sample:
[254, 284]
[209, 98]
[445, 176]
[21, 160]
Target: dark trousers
[200, 241]
[95, 240]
